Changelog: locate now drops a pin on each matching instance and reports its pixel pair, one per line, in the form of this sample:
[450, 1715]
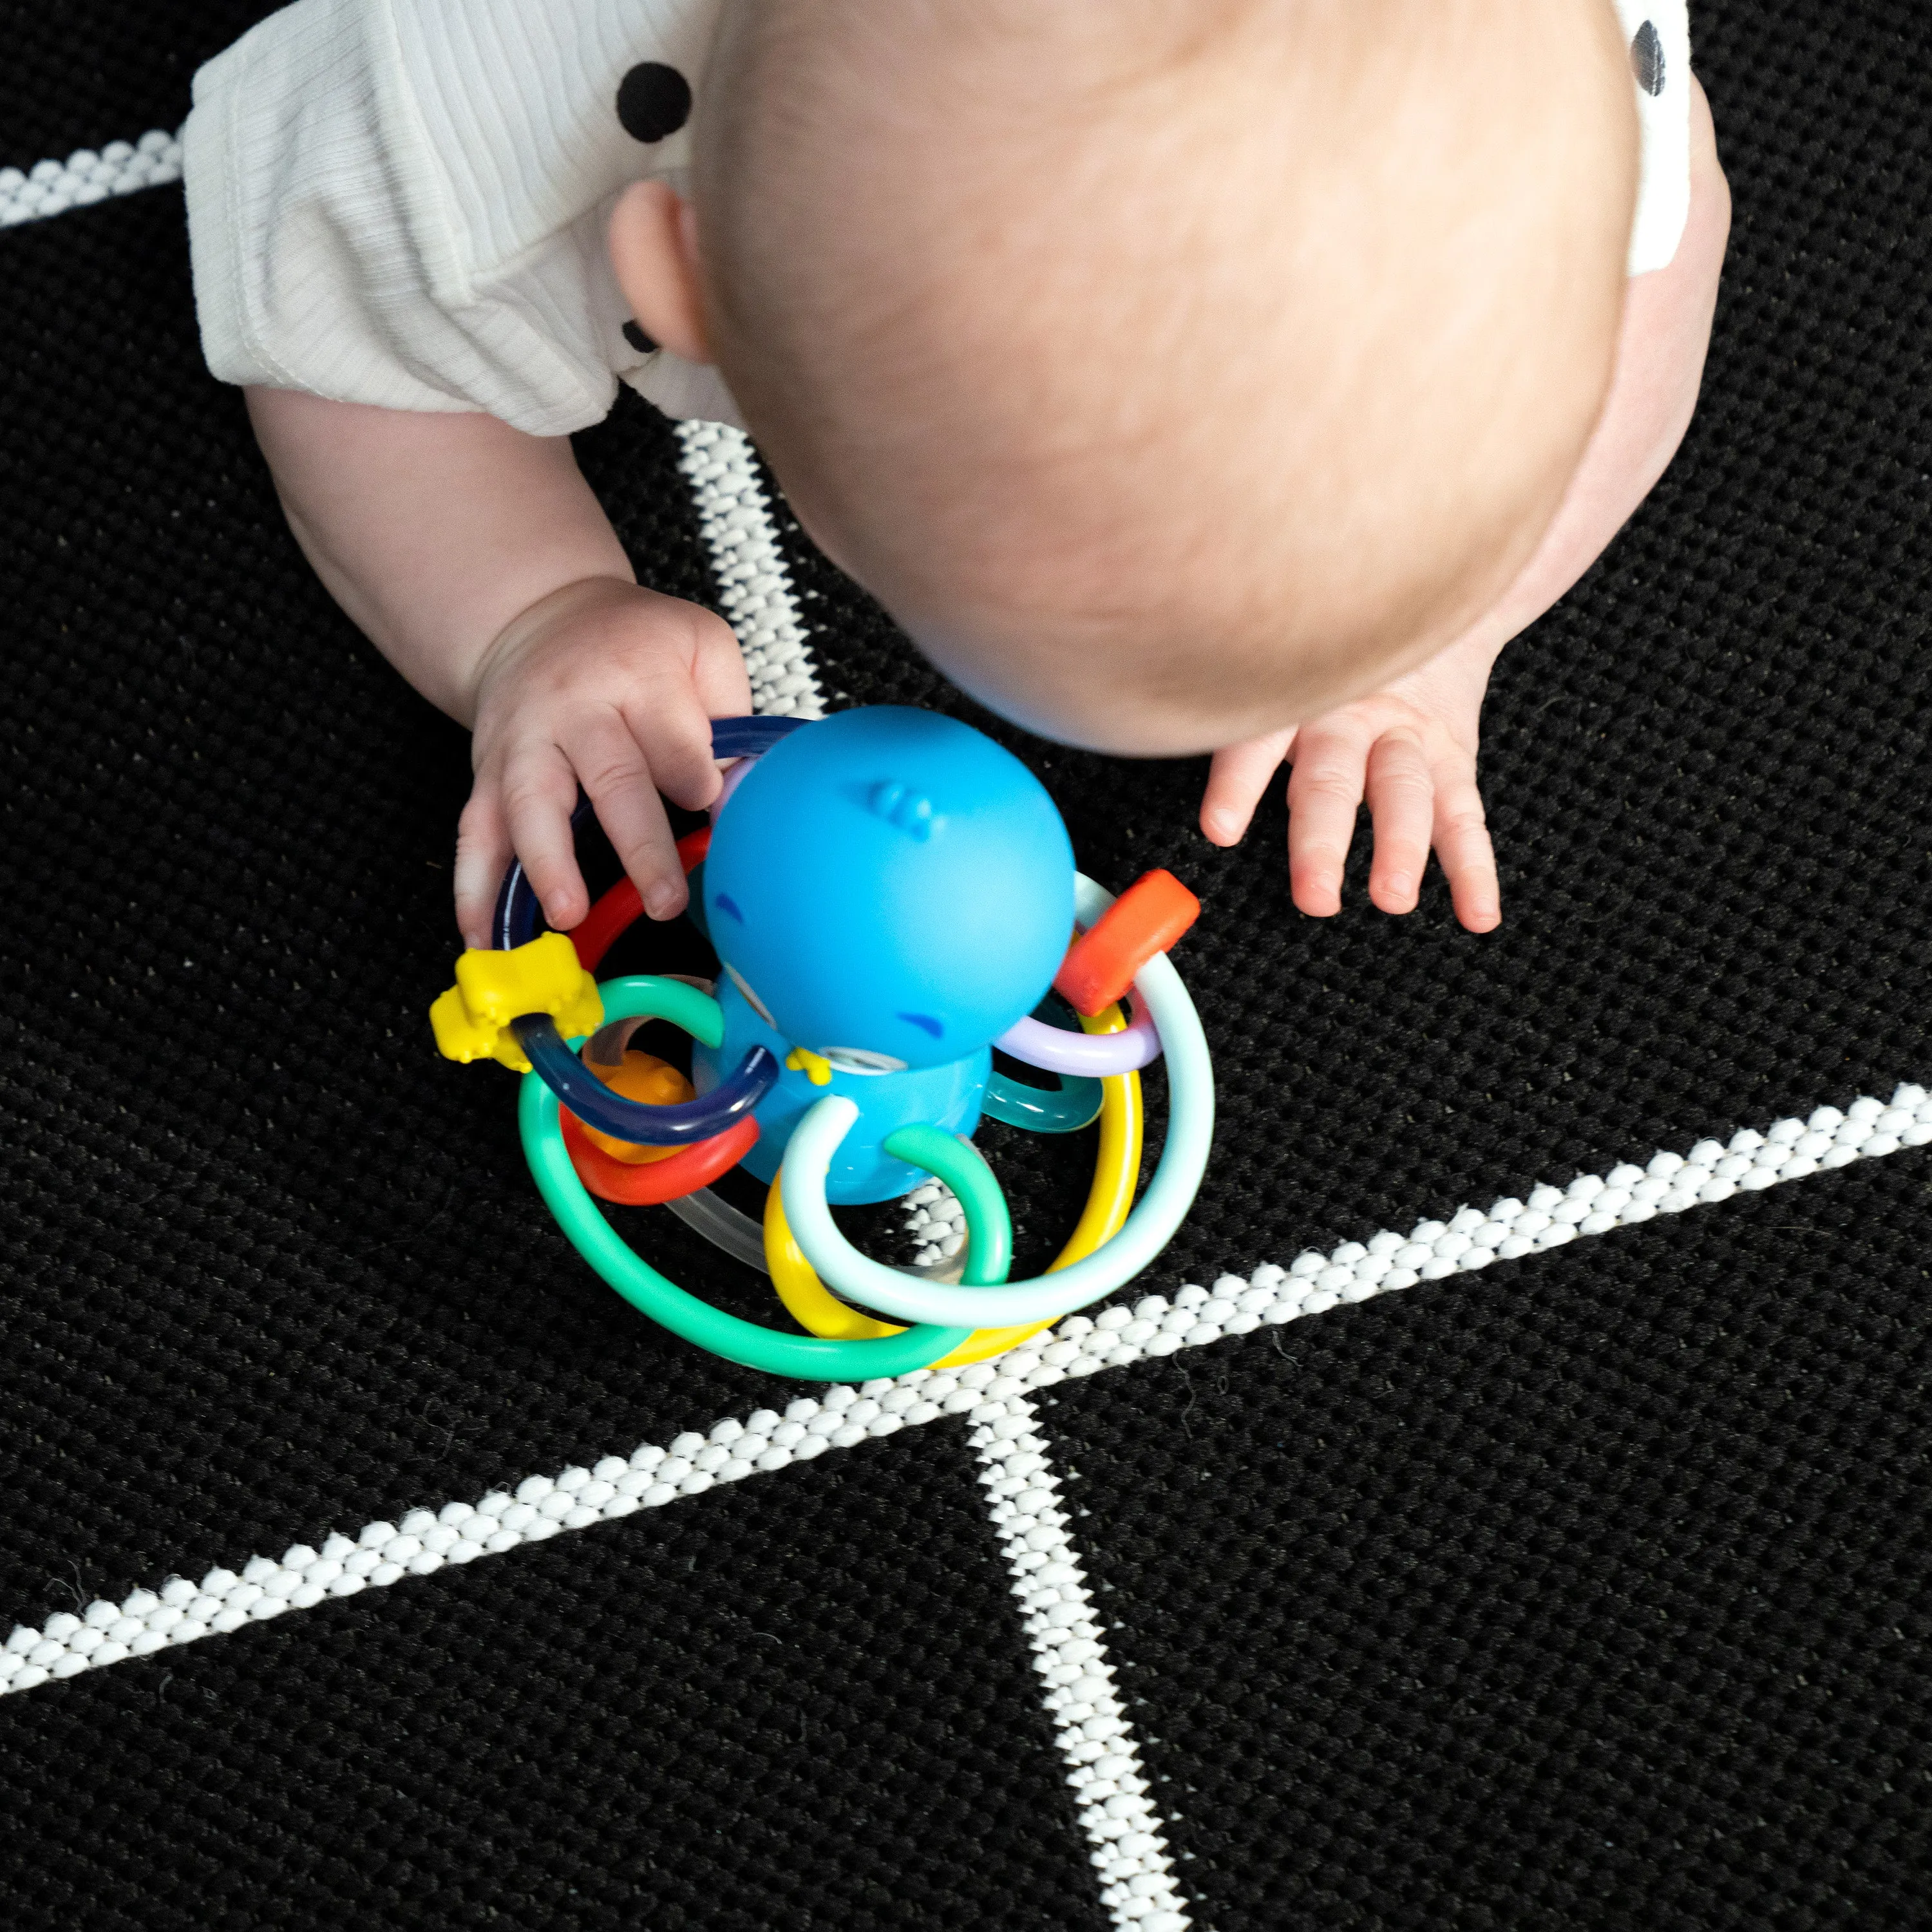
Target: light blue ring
[1183, 1160]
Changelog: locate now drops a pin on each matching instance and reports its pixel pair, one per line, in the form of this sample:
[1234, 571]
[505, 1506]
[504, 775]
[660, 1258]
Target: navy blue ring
[750, 737]
[638, 1121]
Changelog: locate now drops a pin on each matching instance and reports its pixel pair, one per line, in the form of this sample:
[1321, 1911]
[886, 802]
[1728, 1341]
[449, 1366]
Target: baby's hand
[610, 686]
[1410, 750]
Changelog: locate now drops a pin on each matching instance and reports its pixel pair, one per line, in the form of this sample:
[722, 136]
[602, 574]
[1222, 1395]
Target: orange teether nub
[642, 1077]
[1147, 918]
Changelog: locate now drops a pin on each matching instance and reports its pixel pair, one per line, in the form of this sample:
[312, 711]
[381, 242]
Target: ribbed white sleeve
[402, 203]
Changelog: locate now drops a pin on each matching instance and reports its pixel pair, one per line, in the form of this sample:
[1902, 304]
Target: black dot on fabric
[1647, 59]
[653, 100]
[637, 339]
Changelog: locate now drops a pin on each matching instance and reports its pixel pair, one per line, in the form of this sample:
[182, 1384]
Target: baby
[1184, 376]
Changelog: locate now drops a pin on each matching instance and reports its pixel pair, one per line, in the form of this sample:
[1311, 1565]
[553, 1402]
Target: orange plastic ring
[684, 1172]
[1147, 918]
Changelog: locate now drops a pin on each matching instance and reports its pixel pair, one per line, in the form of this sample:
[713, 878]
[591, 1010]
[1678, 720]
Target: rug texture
[1589, 1590]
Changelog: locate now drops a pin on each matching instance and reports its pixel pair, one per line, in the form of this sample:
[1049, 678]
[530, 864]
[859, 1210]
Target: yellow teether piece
[472, 1019]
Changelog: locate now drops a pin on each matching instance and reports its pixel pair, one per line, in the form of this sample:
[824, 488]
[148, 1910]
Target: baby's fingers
[1402, 797]
[618, 775]
[1469, 859]
[1236, 782]
[482, 858]
[718, 670]
[1324, 791]
[539, 792]
[670, 727]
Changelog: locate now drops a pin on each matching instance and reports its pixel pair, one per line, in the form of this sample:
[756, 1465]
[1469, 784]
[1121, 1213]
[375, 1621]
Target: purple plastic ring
[1053, 1050]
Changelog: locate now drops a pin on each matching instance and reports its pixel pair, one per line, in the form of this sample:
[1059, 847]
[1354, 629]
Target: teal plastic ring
[1075, 1104]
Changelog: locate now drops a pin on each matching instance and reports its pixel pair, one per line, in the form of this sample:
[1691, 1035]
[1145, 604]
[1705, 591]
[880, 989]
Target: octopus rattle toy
[890, 896]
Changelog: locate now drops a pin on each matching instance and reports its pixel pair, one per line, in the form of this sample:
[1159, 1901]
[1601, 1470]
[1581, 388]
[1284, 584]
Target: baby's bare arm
[432, 532]
[1410, 750]
[479, 563]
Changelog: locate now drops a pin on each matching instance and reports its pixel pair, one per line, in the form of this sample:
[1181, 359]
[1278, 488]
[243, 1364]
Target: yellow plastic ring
[1117, 1168]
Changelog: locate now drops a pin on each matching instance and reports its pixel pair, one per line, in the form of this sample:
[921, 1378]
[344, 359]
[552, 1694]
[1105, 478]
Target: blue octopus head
[890, 889]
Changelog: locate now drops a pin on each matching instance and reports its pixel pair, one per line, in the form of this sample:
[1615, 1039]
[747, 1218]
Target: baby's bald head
[1172, 369]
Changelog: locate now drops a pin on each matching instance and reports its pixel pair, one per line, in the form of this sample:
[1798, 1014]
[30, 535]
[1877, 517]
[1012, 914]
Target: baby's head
[1172, 370]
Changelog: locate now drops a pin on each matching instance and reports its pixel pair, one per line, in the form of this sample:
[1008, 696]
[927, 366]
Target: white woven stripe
[122, 167]
[754, 587]
[383, 1553]
[936, 1223]
[1070, 1653]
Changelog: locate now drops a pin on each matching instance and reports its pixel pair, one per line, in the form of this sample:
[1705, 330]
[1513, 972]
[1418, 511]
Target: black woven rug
[1589, 1590]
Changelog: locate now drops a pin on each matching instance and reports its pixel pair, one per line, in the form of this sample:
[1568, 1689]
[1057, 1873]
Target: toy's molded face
[891, 888]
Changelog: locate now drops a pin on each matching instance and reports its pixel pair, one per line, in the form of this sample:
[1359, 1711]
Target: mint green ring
[1152, 1224]
[805, 1357]
[989, 1227]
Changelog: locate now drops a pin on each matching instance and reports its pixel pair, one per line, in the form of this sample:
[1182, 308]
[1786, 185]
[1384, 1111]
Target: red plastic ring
[657, 1181]
[620, 908]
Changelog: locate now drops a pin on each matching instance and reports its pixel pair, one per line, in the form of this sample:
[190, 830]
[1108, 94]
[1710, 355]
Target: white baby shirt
[402, 202]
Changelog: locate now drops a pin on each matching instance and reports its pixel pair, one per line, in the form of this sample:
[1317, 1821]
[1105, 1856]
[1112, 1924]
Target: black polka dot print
[1647, 59]
[653, 100]
[637, 339]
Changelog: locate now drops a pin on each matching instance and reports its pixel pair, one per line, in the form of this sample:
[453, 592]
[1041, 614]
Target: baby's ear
[654, 251]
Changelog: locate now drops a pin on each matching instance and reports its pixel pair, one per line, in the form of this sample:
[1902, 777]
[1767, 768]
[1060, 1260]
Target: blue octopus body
[888, 890]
